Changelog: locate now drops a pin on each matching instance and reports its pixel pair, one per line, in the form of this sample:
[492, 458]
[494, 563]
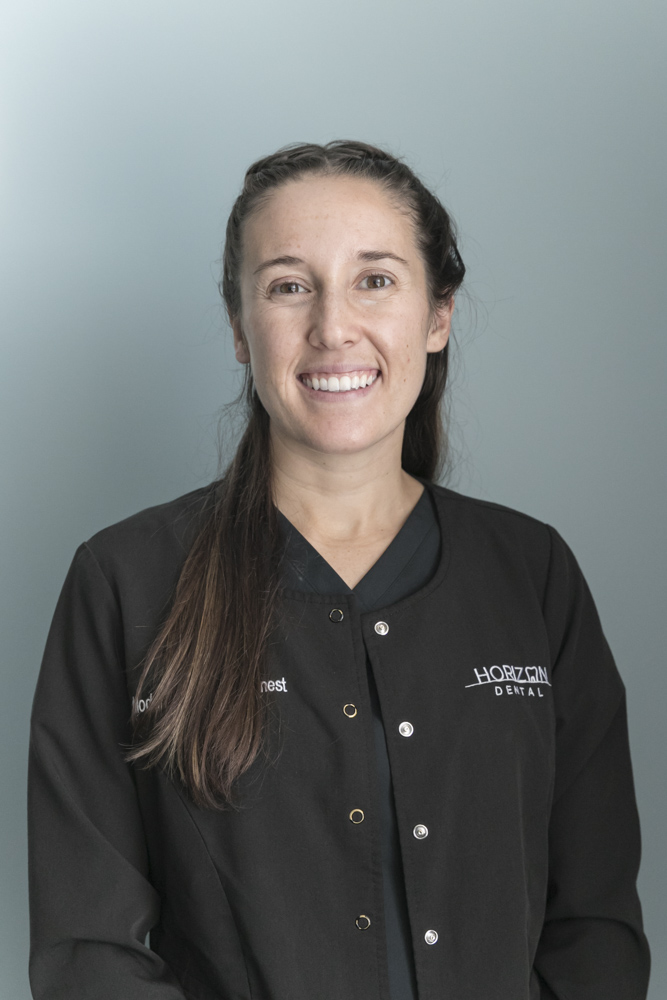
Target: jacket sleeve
[592, 945]
[91, 901]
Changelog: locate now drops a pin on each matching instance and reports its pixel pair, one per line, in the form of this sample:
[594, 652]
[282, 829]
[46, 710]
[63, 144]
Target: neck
[343, 498]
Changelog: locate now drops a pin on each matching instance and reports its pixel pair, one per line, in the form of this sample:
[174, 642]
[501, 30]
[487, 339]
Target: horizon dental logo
[525, 681]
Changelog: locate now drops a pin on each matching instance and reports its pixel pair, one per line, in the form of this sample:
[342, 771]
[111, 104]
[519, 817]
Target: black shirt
[409, 561]
[506, 730]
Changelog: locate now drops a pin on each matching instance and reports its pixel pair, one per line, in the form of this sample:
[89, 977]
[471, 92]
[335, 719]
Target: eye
[287, 288]
[377, 280]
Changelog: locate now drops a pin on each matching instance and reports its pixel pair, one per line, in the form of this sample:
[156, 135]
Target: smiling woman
[323, 728]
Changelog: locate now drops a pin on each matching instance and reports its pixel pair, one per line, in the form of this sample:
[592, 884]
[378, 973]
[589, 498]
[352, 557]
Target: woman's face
[333, 292]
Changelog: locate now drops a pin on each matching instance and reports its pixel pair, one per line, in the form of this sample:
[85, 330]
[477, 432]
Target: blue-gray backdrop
[127, 125]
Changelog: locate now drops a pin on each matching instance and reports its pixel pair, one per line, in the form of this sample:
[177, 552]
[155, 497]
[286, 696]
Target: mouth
[355, 382]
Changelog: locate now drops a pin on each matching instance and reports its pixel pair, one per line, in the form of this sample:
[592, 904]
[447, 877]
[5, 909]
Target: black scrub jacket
[506, 735]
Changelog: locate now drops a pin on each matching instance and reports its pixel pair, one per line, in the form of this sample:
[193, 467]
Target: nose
[333, 322]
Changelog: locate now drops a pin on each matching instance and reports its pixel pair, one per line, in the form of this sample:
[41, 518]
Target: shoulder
[489, 533]
[484, 519]
[171, 518]
[487, 510]
[153, 542]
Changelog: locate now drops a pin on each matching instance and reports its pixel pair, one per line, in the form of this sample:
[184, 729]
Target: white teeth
[342, 384]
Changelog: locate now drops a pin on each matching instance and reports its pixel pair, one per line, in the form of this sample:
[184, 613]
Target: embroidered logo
[526, 681]
[280, 685]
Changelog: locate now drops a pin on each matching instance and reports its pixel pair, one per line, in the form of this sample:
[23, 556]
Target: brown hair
[207, 718]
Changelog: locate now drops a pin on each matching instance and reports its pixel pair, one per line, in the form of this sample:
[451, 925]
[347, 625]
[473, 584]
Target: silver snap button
[431, 937]
[420, 831]
[363, 922]
[336, 615]
[357, 816]
[350, 710]
[406, 729]
[381, 628]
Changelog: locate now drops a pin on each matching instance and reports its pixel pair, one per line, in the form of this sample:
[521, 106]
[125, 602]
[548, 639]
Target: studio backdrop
[126, 129]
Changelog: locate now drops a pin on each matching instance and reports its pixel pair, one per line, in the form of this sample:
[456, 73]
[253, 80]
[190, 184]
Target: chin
[340, 446]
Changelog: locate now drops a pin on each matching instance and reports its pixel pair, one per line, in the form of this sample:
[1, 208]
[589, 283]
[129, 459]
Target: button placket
[420, 831]
[350, 711]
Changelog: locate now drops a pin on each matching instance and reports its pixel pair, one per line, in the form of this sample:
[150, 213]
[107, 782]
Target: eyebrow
[287, 261]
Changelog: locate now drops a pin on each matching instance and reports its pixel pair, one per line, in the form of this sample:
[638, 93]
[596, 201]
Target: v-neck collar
[409, 559]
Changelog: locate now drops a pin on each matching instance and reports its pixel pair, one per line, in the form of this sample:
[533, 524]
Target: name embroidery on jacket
[524, 680]
[141, 704]
[280, 685]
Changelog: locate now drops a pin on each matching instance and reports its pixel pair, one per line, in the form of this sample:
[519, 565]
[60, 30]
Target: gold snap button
[357, 816]
[363, 922]
[336, 615]
[350, 711]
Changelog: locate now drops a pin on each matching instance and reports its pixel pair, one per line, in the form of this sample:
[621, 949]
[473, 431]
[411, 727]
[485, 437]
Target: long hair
[207, 718]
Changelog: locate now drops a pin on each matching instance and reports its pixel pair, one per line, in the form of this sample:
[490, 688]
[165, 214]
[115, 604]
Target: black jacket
[506, 730]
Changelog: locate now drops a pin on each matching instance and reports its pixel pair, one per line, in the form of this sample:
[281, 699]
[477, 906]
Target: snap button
[350, 711]
[357, 816]
[406, 729]
[336, 615]
[381, 628]
[431, 937]
[420, 831]
[363, 922]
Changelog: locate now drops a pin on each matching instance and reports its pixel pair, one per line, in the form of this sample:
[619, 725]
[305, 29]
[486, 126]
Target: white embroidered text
[280, 685]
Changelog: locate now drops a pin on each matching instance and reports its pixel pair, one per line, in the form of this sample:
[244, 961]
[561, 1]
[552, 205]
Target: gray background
[127, 126]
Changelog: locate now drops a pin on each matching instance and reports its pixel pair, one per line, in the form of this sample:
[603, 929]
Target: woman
[325, 728]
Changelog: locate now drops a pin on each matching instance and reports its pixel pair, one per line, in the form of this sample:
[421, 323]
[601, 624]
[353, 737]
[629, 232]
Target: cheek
[263, 340]
[406, 347]
[272, 364]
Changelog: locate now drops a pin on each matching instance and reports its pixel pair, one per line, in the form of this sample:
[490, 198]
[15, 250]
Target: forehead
[318, 212]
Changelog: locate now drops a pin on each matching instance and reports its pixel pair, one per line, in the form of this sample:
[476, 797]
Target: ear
[441, 326]
[240, 345]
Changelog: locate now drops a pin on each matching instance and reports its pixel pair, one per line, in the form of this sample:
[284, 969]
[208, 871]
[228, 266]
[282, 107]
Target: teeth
[342, 384]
